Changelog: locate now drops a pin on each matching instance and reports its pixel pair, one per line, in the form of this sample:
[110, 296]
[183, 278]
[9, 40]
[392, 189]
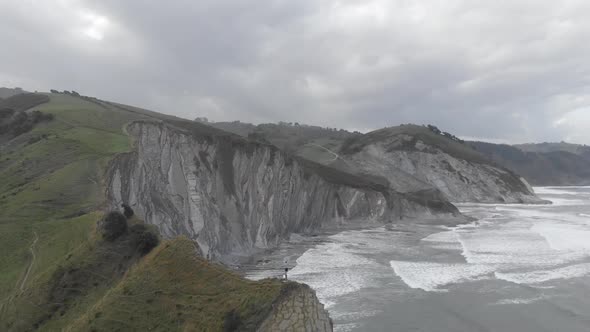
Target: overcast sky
[515, 71]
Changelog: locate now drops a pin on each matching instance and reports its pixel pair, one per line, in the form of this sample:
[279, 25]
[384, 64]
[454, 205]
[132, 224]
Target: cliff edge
[233, 196]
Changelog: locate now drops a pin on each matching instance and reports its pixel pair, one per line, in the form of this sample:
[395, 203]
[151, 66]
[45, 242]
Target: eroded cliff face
[233, 196]
[297, 310]
[459, 179]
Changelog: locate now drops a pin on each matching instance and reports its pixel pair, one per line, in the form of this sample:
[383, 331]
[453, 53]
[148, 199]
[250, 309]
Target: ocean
[516, 268]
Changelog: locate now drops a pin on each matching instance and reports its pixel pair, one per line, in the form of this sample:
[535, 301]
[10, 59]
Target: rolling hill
[56, 271]
[545, 164]
[413, 158]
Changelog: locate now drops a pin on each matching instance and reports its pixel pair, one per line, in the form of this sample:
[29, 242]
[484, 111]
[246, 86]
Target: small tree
[127, 211]
[113, 225]
[146, 237]
[147, 241]
[434, 129]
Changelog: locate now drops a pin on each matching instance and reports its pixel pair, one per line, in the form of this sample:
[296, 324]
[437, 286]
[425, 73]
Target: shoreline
[274, 259]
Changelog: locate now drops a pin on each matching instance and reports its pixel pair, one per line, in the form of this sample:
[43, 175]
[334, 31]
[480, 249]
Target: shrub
[146, 239]
[127, 211]
[113, 225]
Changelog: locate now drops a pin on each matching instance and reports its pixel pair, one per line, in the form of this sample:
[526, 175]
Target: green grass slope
[23, 101]
[49, 178]
[173, 289]
[551, 168]
[57, 274]
[452, 147]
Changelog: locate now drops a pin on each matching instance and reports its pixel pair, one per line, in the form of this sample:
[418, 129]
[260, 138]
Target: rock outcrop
[298, 310]
[412, 157]
[233, 196]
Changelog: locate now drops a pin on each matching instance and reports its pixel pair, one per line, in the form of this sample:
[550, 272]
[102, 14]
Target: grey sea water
[517, 268]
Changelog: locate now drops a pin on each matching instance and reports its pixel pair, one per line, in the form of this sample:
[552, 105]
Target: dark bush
[137, 229]
[6, 113]
[127, 211]
[113, 225]
[434, 129]
[38, 116]
[147, 241]
[146, 238]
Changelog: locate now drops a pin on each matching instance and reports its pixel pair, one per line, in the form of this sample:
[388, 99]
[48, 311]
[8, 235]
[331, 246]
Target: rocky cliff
[233, 196]
[421, 158]
[298, 309]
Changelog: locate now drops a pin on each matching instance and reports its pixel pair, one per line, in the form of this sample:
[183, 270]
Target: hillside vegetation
[416, 133]
[50, 179]
[582, 150]
[9, 92]
[56, 272]
[173, 289]
[543, 165]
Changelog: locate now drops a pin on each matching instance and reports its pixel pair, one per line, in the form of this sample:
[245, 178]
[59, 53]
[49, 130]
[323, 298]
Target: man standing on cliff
[285, 264]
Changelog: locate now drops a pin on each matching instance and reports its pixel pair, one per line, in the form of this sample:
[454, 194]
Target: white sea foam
[445, 237]
[332, 270]
[541, 276]
[444, 240]
[555, 191]
[566, 202]
[520, 300]
[565, 237]
[432, 277]
[346, 327]
[584, 215]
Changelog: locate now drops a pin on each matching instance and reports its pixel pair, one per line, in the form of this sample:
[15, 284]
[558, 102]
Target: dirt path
[23, 283]
[336, 156]
[30, 267]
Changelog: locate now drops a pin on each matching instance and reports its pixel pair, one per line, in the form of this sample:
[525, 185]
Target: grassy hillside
[288, 137]
[552, 167]
[108, 286]
[50, 180]
[582, 150]
[25, 101]
[9, 92]
[174, 290]
[56, 272]
[53, 173]
[51, 184]
[454, 148]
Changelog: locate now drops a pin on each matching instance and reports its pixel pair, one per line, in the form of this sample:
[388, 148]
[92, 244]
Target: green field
[173, 289]
[50, 175]
[56, 273]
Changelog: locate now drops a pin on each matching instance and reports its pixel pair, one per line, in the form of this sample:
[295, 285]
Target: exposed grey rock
[234, 197]
[298, 310]
[410, 164]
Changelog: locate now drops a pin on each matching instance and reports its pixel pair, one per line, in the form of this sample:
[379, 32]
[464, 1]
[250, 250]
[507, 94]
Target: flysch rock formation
[298, 310]
[460, 173]
[234, 197]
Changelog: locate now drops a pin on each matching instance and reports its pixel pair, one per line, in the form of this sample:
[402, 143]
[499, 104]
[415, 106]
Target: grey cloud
[517, 71]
